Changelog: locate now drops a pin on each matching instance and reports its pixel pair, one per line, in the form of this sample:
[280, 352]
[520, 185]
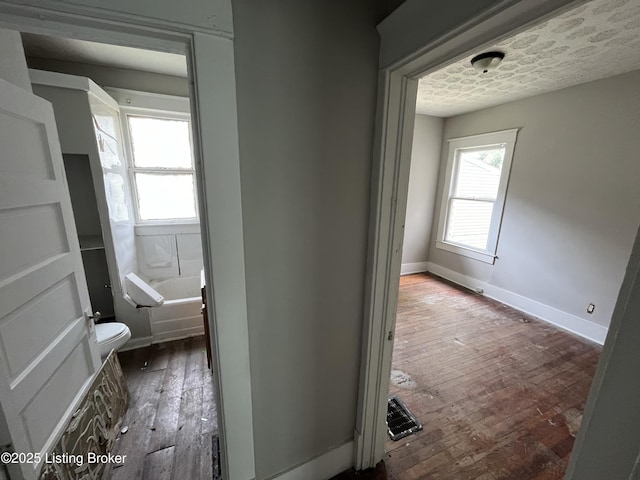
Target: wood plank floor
[500, 394]
[172, 416]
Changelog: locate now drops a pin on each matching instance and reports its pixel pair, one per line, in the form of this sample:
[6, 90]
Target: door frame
[210, 61]
[407, 53]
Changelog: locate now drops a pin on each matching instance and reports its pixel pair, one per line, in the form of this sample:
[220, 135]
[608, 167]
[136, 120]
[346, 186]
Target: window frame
[132, 169]
[474, 142]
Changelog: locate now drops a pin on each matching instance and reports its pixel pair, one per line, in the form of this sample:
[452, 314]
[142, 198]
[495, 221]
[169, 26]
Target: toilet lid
[107, 331]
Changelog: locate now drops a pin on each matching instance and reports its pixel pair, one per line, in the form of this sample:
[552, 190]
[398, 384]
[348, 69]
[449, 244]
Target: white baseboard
[419, 267]
[136, 342]
[325, 466]
[178, 334]
[566, 321]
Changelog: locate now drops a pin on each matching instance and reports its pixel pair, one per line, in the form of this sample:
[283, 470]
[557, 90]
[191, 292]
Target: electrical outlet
[591, 308]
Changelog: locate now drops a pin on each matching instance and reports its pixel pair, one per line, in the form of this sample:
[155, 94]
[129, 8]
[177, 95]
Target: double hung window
[162, 168]
[473, 198]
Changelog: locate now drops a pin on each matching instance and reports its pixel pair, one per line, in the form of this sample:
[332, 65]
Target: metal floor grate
[400, 421]
[215, 457]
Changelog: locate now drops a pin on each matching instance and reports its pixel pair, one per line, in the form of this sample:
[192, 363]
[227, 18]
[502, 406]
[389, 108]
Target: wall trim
[167, 229]
[132, 99]
[324, 466]
[178, 333]
[566, 321]
[58, 10]
[417, 267]
[137, 342]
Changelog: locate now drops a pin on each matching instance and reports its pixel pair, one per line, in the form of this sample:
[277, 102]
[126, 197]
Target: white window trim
[160, 113]
[506, 137]
[167, 229]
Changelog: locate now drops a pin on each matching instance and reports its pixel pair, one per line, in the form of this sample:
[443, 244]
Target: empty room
[521, 216]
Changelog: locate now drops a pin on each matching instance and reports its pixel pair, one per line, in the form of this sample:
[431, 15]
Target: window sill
[467, 252]
[167, 228]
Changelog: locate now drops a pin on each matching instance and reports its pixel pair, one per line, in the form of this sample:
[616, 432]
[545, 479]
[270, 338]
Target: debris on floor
[402, 379]
[573, 418]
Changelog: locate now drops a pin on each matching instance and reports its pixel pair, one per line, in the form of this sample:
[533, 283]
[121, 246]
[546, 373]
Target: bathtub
[179, 316]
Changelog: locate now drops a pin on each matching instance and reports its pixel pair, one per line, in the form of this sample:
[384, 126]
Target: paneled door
[48, 350]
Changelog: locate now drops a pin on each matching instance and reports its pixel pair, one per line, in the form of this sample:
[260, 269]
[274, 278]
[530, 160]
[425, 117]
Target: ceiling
[80, 51]
[596, 40]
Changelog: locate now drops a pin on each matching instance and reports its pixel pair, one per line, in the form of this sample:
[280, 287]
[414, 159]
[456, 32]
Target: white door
[48, 351]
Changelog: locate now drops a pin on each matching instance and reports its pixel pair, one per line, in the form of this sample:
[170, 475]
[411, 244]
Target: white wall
[423, 181]
[165, 252]
[573, 203]
[306, 77]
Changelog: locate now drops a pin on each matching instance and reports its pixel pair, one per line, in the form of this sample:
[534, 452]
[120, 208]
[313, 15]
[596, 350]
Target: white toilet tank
[143, 294]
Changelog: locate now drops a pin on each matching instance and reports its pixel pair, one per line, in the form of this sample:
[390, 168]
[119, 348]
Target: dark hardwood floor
[172, 417]
[500, 394]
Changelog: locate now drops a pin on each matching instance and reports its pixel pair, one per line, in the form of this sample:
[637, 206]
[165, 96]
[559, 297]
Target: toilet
[111, 336]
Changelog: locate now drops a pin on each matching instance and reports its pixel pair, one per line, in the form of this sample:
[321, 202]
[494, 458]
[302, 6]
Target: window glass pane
[478, 173]
[468, 223]
[162, 196]
[116, 199]
[160, 143]
[105, 126]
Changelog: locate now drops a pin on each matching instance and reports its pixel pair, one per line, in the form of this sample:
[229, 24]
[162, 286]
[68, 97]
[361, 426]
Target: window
[473, 199]
[162, 169]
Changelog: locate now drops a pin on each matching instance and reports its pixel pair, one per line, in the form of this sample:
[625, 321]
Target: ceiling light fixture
[485, 62]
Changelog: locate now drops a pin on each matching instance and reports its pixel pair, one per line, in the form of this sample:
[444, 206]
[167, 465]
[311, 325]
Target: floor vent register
[400, 421]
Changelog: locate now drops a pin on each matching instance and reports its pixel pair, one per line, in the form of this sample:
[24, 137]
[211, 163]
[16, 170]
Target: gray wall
[117, 77]
[423, 181]
[306, 77]
[573, 201]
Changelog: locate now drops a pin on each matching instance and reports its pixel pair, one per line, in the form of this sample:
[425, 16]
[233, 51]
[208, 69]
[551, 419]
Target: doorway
[221, 204]
[135, 204]
[399, 92]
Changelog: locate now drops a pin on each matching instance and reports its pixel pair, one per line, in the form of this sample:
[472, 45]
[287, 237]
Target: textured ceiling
[596, 40]
[81, 51]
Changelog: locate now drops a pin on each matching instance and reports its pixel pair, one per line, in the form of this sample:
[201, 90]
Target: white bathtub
[179, 316]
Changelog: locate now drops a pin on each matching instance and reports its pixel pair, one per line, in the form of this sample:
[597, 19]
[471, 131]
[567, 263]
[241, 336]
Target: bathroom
[50, 332]
[126, 141]
[123, 150]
